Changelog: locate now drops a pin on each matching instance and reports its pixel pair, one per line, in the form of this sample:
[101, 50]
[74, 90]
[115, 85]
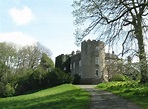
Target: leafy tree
[7, 57]
[23, 69]
[38, 78]
[28, 57]
[46, 62]
[7, 62]
[117, 22]
[58, 77]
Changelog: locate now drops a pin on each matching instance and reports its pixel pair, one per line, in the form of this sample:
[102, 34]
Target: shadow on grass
[73, 99]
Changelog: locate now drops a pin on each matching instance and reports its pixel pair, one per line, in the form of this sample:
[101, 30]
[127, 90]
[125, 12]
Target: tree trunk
[142, 54]
[143, 62]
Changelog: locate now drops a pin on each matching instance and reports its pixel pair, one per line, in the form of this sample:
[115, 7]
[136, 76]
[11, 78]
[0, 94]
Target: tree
[118, 21]
[7, 58]
[40, 75]
[29, 57]
[46, 62]
[7, 62]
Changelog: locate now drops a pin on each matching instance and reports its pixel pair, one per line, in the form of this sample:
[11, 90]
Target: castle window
[64, 68]
[70, 66]
[64, 58]
[97, 72]
[97, 48]
[80, 63]
[97, 61]
[74, 65]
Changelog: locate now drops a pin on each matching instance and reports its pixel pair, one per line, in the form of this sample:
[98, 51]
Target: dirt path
[106, 100]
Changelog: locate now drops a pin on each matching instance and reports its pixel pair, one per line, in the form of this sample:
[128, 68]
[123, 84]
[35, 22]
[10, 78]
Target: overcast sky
[49, 22]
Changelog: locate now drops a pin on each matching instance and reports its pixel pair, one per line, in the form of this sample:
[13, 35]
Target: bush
[58, 77]
[118, 77]
[2, 88]
[9, 90]
[6, 90]
[77, 79]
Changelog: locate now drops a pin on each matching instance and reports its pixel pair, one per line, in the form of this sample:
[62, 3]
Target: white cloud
[18, 38]
[21, 16]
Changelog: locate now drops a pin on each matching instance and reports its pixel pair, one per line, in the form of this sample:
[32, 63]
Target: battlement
[92, 41]
[89, 42]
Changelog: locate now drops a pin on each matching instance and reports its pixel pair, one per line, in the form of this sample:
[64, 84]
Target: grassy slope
[131, 90]
[61, 97]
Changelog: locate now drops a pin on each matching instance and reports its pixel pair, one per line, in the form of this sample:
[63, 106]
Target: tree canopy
[18, 67]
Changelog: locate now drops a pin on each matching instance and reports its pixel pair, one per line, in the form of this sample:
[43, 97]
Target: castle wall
[63, 62]
[76, 64]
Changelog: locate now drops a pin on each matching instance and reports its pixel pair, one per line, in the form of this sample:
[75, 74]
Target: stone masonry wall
[91, 52]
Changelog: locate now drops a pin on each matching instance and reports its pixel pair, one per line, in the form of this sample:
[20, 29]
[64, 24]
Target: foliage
[132, 71]
[58, 77]
[40, 79]
[129, 89]
[118, 77]
[7, 56]
[62, 62]
[46, 62]
[6, 89]
[61, 97]
[23, 69]
[77, 79]
[9, 90]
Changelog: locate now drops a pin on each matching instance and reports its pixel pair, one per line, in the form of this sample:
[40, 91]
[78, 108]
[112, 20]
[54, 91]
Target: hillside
[65, 96]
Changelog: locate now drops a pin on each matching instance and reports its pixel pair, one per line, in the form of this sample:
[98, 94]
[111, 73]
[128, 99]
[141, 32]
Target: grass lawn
[130, 90]
[65, 96]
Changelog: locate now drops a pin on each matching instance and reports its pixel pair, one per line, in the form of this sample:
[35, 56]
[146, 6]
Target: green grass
[130, 90]
[61, 97]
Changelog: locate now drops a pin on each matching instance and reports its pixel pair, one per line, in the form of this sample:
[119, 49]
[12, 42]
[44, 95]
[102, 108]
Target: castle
[91, 63]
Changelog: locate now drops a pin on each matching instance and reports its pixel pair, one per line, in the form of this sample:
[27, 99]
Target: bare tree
[29, 57]
[116, 21]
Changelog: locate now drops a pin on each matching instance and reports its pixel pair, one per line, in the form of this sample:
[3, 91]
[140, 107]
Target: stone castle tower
[93, 61]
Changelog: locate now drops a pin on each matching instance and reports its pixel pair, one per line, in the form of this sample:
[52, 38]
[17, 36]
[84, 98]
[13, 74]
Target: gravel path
[106, 100]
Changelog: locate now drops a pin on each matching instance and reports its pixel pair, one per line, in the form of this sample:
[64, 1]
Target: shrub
[9, 90]
[6, 90]
[2, 85]
[58, 77]
[77, 79]
[118, 77]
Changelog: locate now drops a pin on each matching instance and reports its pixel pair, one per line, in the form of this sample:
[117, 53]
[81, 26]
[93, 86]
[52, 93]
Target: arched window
[74, 65]
[97, 72]
[70, 66]
[64, 69]
[97, 61]
[80, 63]
[97, 48]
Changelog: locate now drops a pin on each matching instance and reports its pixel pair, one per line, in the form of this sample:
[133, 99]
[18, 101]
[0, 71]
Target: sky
[48, 22]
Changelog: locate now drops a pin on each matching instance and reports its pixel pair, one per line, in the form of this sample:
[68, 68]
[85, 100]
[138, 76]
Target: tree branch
[126, 40]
